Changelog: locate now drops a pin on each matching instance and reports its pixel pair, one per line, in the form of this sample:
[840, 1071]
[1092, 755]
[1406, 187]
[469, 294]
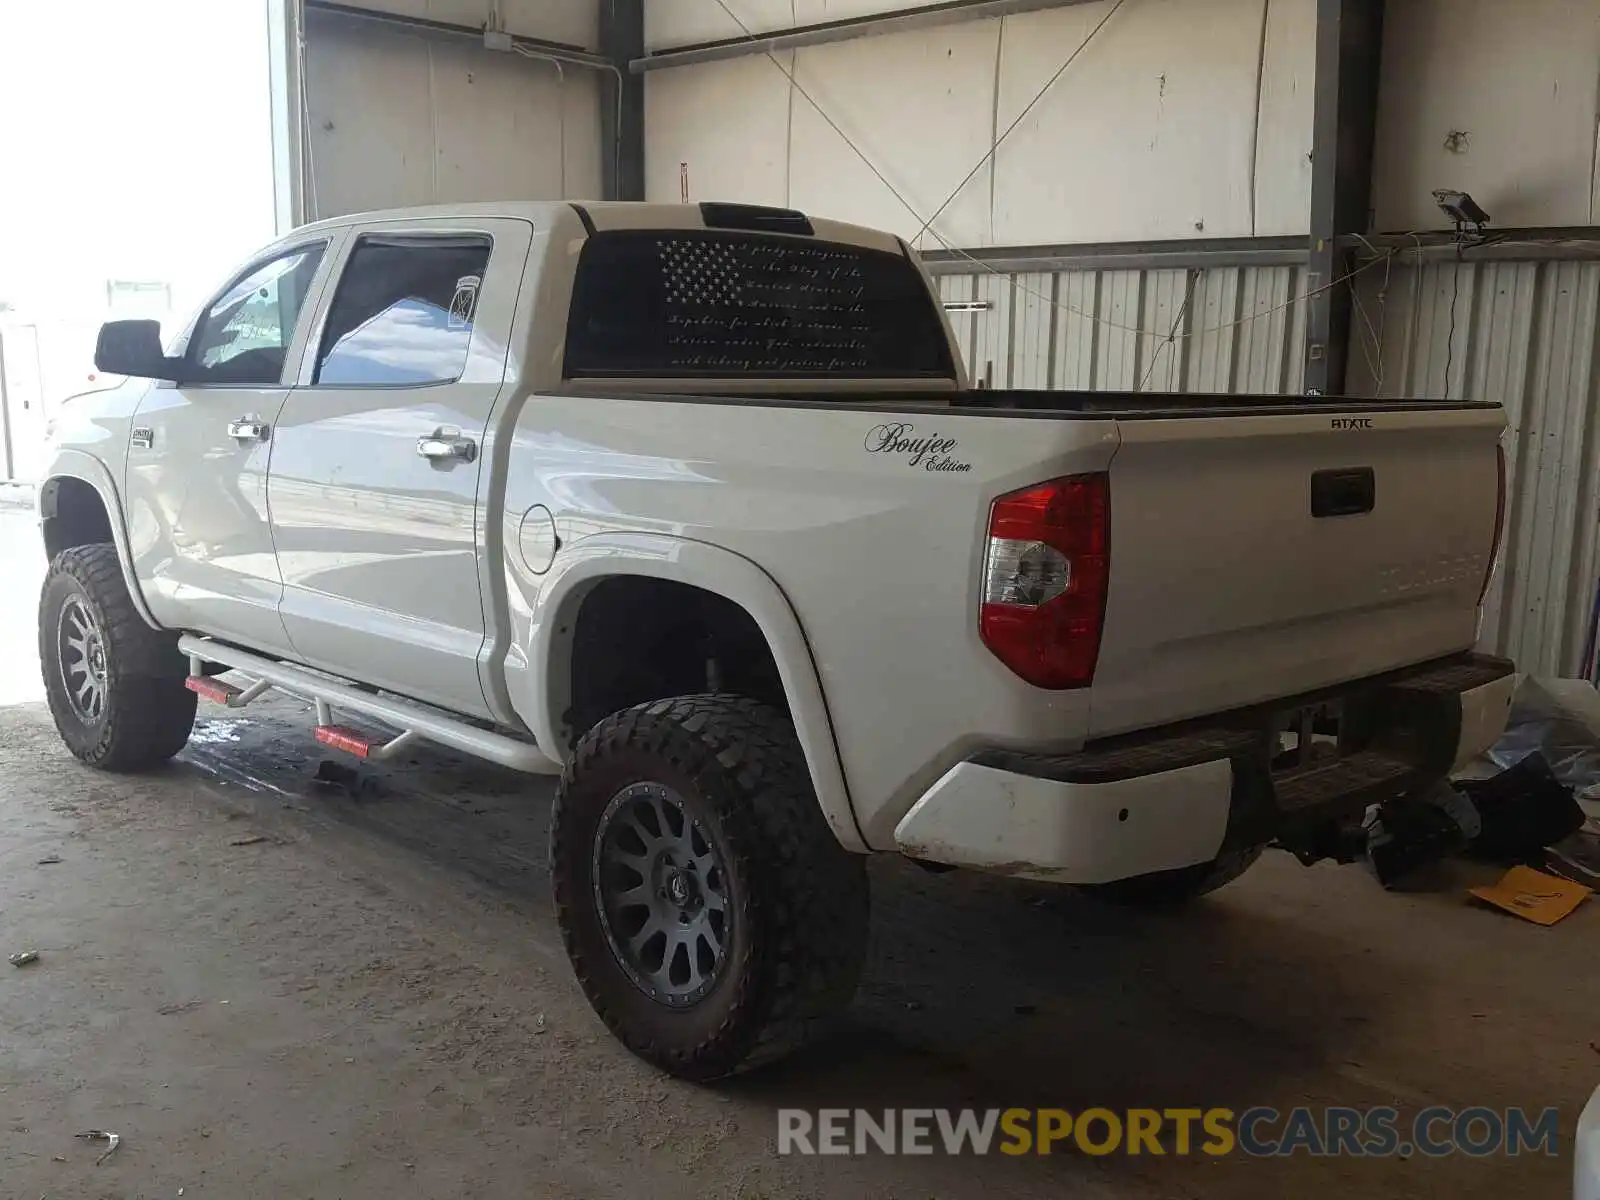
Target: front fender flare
[585, 562]
[81, 465]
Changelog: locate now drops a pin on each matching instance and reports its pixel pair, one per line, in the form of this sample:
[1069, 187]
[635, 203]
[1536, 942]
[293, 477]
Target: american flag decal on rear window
[724, 304]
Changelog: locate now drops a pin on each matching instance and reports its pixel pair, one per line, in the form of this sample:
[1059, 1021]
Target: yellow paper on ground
[1533, 895]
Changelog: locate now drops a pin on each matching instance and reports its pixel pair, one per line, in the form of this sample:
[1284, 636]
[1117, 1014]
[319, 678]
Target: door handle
[248, 429]
[443, 445]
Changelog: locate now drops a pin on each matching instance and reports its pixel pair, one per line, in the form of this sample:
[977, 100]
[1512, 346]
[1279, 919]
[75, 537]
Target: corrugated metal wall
[1242, 329]
[1523, 334]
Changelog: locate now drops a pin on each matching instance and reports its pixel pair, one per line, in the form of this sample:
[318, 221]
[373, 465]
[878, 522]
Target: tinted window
[244, 335]
[403, 312]
[719, 305]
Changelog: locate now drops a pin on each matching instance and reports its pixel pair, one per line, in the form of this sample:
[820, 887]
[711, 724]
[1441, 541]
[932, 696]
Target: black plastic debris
[1413, 832]
[1524, 809]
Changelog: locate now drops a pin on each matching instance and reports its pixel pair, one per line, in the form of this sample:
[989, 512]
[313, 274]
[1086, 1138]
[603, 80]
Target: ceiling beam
[1120, 256]
[427, 27]
[928, 16]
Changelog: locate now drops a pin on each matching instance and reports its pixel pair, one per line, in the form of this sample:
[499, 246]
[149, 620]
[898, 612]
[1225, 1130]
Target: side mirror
[133, 348]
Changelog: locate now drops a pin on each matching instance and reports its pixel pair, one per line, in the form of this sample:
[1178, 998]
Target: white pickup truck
[693, 505]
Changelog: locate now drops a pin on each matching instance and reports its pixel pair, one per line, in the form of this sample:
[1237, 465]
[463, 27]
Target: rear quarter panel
[877, 551]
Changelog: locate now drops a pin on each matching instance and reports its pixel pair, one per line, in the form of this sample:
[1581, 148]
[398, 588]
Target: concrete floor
[372, 1002]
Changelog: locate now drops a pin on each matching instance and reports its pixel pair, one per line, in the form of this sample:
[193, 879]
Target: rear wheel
[1169, 889]
[115, 685]
[709, 912]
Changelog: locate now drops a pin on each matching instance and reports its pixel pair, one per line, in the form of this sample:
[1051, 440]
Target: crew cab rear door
[380, 449]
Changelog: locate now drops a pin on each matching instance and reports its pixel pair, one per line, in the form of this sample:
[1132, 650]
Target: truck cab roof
[586, 216]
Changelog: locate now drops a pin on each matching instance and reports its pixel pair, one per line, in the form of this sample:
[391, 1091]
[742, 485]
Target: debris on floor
[49, 860]
[101, 1135]
[23, 958]
[1522, 810]
[1577, 857]
[1559, 719]
[357, 784]
[248, 841]
[1533, 895]
[1408, 834]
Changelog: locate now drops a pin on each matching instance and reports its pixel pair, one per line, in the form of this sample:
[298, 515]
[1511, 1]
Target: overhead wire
[1455, 298]
[1171, 338]
[1375, 332]
[927, 226]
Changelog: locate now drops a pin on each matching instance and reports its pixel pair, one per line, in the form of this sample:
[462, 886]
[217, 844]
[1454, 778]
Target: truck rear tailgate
[1259, 555]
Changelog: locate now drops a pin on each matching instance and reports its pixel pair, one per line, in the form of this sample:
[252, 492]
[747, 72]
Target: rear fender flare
[587, 561]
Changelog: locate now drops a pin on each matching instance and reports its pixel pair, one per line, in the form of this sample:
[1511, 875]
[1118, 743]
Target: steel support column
[288, 118]
[1344, 120]
[622, 101]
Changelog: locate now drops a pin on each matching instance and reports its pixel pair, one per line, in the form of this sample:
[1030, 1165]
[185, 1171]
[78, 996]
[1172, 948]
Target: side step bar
[417, 721]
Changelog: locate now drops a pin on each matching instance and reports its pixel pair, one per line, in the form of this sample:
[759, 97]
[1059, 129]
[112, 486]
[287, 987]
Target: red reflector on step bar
[211, 689]
[344, 739]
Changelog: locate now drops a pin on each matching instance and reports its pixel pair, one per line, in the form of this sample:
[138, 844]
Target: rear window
[724, 305]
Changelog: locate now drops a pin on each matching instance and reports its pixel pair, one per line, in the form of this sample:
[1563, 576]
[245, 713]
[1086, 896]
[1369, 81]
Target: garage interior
[1226, 196]
[273, 980]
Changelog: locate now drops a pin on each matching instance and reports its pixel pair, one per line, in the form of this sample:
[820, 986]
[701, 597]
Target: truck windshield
[718, 305]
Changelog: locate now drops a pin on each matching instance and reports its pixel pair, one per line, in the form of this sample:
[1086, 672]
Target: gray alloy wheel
[660, 886]
[81, 658]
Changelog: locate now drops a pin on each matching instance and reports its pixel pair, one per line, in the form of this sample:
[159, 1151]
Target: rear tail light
[1044, 580]
[1499, 521]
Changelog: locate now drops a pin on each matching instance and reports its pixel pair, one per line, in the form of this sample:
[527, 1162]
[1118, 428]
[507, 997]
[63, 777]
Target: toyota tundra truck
[693, 506]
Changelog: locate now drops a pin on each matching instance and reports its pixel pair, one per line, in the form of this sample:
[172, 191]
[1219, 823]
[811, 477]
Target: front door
[379, 452]
[198, 457]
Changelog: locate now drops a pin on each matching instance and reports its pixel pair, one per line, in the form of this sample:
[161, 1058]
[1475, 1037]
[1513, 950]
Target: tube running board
[416, 721]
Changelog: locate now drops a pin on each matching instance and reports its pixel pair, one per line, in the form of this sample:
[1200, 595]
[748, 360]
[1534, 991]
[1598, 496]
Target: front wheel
[115, 685]
[709, 912]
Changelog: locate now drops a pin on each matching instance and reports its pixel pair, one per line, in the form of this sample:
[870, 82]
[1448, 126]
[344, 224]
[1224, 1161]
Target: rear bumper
[1171, 798]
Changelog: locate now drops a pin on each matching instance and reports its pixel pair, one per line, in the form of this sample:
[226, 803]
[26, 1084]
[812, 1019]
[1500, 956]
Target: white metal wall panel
[723, 128]
[1183, 118]
[1524, 335]
[1076, 346]
[1031, 362]
[1241, 330]
[1494, 98]
[1282, 186]
[397, 119]
[921, 109]
[993, 362]
[1151, 134]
